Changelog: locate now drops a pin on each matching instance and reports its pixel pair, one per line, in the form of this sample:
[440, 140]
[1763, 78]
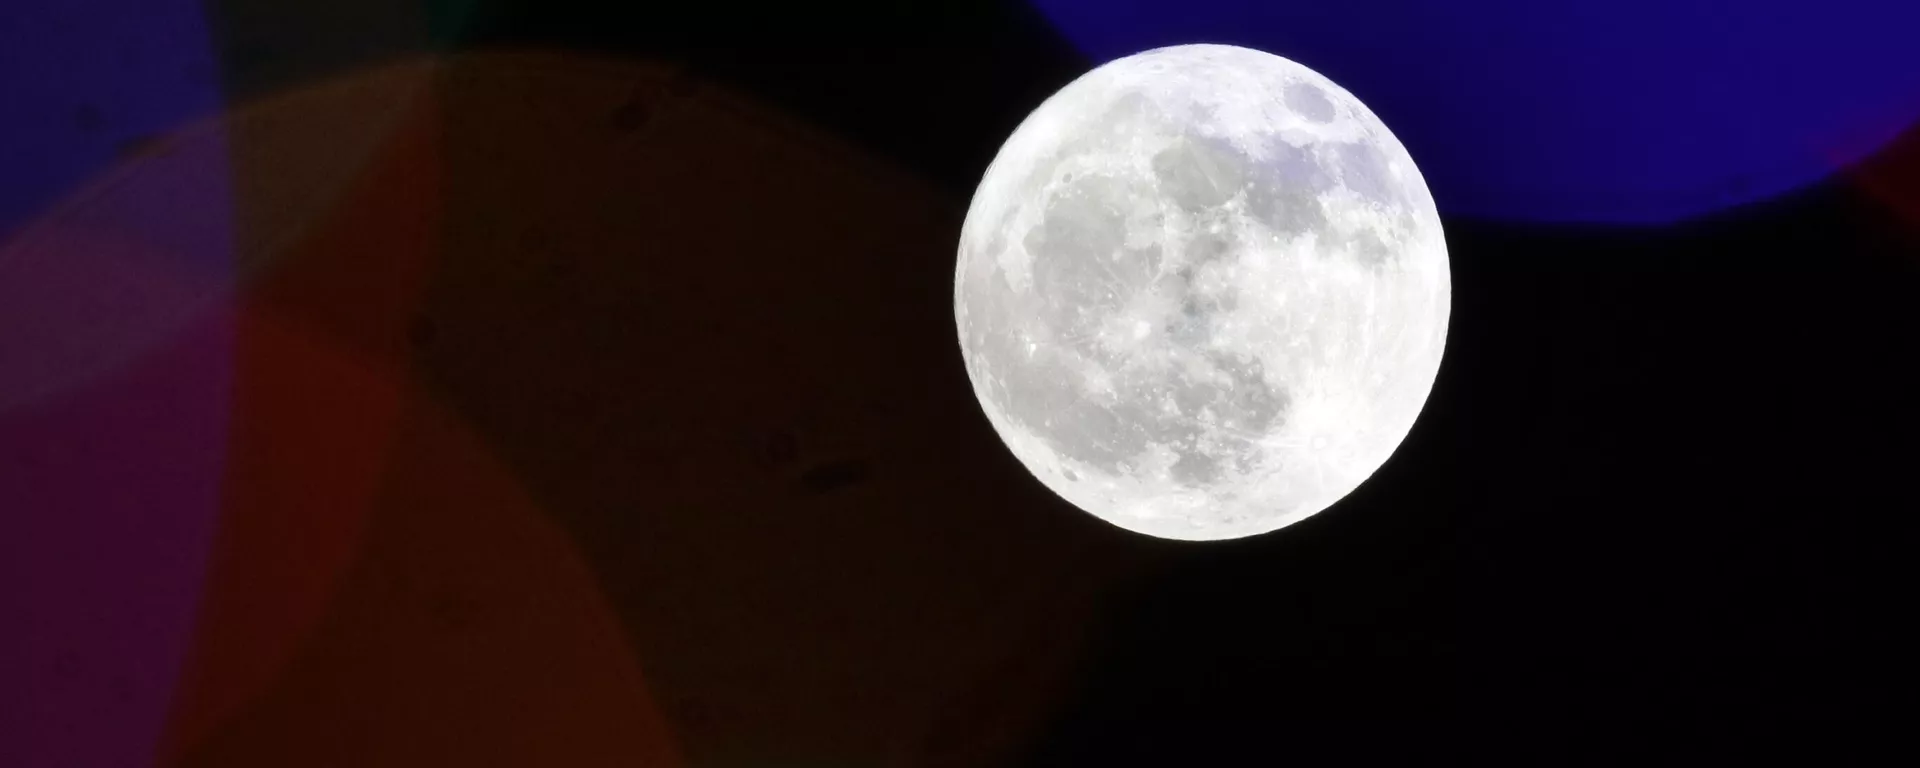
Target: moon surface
[1202, 292]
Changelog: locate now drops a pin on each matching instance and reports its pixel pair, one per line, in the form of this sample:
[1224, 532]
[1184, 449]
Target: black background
[1658, 480]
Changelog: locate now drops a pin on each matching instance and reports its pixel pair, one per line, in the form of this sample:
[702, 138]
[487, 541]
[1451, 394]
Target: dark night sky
[1657, 477]
[1656, 483]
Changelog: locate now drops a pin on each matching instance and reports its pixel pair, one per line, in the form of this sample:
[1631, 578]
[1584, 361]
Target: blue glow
[82, 79]
[1622, 111]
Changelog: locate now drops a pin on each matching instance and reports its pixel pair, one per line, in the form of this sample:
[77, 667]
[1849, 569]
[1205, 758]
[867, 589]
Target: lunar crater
[1309, 102]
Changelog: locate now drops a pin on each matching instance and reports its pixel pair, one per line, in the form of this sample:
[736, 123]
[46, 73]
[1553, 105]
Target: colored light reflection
[1617, 111]
[207, 421]
[1891, 178]
[109, 484]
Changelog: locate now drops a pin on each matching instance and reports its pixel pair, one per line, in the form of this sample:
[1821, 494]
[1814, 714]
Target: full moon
[1202, 292]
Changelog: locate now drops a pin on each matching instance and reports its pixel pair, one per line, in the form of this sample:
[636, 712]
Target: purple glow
[113, 491]
[115, 370]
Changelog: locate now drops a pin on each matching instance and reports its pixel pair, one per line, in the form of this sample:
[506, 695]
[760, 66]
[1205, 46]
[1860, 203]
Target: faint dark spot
[66, 665]
[1128, 107]
[1208, 247]
[1251, 405]
[1070, 475]
[1199, 173]
[1308, 101]
[1101, 437]
[1195, 468]
[88, 118]
[138, 147]
[995, 245]
[1066, 177]
[1294, 167]
[423, 331]
[454, 611]
[1245, 458]
[1364, 169]
[780, 448]
[1192, 326]
[1286, 210]
[1081, 223]
[1369, 250]
[836, 475]
[1190, 396]
[632, 115]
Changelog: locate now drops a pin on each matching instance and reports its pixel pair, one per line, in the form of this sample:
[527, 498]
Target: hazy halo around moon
[1202, 292]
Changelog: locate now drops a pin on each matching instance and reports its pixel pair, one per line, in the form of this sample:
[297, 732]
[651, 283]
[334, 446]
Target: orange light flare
[382, 590]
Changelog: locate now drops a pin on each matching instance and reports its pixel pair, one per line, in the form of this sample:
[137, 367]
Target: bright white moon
[1202, 292]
